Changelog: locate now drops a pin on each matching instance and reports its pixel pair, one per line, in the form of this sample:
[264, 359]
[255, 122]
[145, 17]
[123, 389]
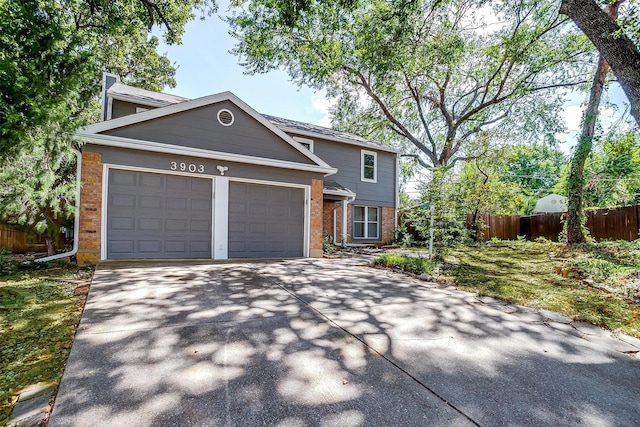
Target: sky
[205, 66]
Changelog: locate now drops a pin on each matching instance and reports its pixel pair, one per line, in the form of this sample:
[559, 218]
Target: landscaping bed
[40, 306]
[596, 283]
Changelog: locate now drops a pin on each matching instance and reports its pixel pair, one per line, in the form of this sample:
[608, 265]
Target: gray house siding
[199, 128]
[163, 162]
[123, 108]
[346, 158]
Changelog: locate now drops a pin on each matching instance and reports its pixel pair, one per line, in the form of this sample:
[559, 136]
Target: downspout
[343, 239]
[76, 220]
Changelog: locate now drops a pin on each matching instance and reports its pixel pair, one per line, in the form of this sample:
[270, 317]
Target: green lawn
[597, 283]
[38, 316]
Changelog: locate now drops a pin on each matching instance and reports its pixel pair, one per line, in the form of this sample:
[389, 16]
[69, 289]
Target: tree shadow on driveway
[317, 342]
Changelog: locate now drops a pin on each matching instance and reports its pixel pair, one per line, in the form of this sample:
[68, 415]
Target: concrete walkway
[331, 343]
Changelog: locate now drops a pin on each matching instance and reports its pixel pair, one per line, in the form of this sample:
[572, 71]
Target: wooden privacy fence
[603, 224]
[12, 238]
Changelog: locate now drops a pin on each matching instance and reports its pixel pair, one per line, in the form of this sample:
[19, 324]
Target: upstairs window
[305, 142]
[366, 222]
[369, 166]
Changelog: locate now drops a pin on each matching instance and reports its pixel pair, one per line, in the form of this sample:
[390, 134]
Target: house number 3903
[190, 167]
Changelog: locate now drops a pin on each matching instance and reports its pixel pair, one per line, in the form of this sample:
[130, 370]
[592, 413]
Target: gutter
[76, 220]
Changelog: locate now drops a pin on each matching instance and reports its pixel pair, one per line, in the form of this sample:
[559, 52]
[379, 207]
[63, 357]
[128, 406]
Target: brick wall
[90, 208]
[315, 239]
[388, 224]
[327, 217]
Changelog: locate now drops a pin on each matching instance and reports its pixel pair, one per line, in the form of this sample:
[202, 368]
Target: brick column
[90, 208]
[388, 224]
[315, 238]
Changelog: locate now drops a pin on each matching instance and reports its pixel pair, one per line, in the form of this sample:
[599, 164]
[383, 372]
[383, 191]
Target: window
[306, 143]
[369, 166]
[141, 109]
[366, 222]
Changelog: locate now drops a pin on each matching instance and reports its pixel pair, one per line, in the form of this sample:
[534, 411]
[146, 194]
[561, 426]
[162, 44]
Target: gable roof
[94, 132]
[308, 129]
[143, 96]
[156, 99]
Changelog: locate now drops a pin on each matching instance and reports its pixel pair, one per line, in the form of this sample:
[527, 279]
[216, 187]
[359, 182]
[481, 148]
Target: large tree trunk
[575, 215]
[616, 48]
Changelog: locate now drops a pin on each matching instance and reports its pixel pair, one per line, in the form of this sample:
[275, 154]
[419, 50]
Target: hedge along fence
[14, 239]
[603, 224]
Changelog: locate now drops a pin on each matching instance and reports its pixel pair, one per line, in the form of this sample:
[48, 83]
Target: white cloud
[322, 104]
[572, 116]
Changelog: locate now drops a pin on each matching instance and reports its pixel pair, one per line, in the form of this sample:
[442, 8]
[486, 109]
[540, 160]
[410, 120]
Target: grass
[38, 316]
[414, 265]
[596, 283]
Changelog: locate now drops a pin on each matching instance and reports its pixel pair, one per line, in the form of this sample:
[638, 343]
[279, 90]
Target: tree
[612, 172]
[431, 77]
[421, 70]
[52, 54]
[615, 46]
[574, 225]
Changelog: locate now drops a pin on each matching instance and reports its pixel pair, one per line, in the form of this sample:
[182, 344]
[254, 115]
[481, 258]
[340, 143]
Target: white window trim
[366, 223]
[303, 141]
[375, 166]
[141, 110]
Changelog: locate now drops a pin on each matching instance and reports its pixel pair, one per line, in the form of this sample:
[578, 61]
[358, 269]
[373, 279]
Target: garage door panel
[257, 227]
[152, 181]
[200, 186]
[127, 224]
[150, 247]
[175, 225]
[200, 226]
[178, 183]
[201, 205]
[150, 202]
[200, 247]
[173, 246]
[177, 203]
[265, 221]
[124, 178]
[150, 224]
[123, 200]
[153, 215]
[121, 246]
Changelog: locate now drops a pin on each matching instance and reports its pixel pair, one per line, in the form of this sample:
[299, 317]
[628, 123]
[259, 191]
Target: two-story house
[169, 177]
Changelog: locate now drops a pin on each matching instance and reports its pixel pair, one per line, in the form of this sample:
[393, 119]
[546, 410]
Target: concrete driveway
[331, 343]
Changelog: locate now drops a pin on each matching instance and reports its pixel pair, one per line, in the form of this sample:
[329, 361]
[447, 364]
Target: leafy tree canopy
[52, 53]
[431, 75]
[612, 172]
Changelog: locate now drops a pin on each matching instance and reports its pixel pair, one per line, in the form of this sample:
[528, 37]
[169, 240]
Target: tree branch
[401, 129]
[416, 98]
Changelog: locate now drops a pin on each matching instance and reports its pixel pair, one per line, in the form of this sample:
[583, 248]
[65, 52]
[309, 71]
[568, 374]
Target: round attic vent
[225, 117]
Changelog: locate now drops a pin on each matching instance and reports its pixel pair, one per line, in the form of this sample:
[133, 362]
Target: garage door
[265, 221]
[152, 215]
